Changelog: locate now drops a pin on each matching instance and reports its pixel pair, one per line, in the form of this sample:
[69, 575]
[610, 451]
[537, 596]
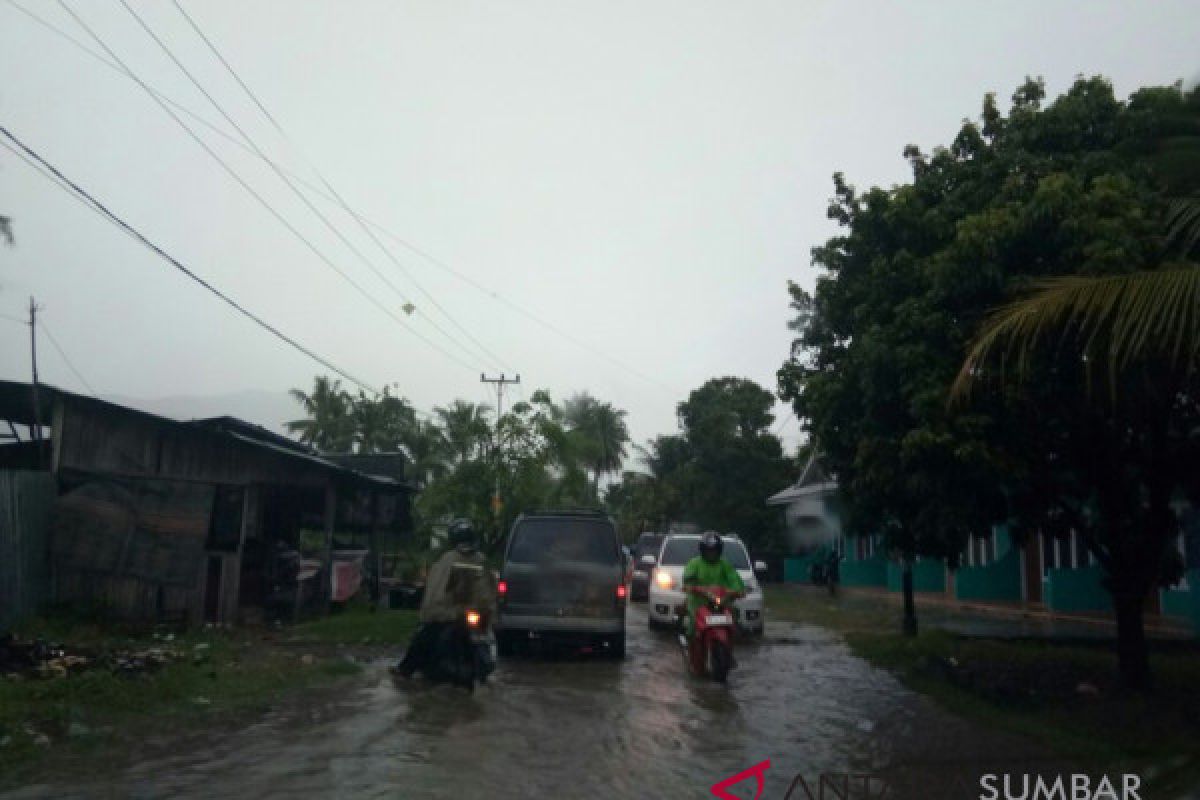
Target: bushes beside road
[1062, 694]
[114, 685]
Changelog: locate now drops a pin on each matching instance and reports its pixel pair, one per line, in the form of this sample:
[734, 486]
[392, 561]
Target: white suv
[666, 582]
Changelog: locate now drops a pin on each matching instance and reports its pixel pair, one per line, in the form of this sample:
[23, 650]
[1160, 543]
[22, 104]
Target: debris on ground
[22, 659]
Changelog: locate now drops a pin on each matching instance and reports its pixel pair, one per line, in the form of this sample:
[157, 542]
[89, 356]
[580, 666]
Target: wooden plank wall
[26, 497]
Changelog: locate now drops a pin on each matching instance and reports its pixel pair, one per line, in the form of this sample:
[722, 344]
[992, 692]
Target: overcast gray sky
[646, 175]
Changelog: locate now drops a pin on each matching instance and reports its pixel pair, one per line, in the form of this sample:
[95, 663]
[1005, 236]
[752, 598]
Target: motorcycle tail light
[473, 619]
[621, 591]
[502, 588]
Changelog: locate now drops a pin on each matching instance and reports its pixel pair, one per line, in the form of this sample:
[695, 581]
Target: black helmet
[461, 533]
[711, 545]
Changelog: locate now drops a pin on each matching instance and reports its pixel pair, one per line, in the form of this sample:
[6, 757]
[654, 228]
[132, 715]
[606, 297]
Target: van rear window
[547, 540]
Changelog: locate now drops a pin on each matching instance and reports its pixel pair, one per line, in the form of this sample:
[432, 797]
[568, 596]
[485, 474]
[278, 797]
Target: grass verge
[210, 677]
[1063, 695]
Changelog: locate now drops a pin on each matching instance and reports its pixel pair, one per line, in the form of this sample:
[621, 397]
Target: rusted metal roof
[217, 450]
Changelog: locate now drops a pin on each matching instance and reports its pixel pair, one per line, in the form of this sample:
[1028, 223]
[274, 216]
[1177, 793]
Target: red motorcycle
[710, 652]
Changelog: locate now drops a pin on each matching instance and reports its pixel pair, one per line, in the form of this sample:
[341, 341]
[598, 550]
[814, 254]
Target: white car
[666, 583]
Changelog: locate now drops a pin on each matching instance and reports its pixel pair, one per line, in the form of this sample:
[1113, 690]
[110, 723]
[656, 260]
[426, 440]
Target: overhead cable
[253, 193]
[429, 258]
[71, 366]
[333, 192]
[79, 193]
[283, 176]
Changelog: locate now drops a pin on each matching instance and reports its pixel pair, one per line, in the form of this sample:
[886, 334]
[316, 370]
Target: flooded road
[581, 728]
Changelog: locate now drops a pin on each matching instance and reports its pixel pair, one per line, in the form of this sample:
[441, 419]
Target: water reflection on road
[577, 728]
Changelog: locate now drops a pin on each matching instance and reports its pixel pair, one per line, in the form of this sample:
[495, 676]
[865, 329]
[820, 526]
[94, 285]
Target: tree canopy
[1074, 190]
[715, 473]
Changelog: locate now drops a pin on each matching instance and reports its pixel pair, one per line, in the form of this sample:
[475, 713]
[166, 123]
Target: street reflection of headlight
[473, 618]
[663, 579]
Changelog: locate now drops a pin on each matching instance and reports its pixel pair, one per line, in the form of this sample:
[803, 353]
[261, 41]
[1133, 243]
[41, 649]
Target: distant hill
[269, 409]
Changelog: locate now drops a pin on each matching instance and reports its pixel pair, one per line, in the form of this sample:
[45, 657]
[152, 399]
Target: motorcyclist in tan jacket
[459, 580]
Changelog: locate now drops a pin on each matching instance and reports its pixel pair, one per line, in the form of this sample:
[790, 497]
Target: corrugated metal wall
[25, 501]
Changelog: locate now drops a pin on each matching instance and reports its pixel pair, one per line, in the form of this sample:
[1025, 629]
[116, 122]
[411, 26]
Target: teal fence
[998, 582]
[866, 572]
[1076, 590]
[795, 569]
[929, 575]
[1185, 602]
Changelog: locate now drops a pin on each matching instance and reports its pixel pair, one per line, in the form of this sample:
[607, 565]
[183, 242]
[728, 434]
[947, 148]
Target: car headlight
[663, 579]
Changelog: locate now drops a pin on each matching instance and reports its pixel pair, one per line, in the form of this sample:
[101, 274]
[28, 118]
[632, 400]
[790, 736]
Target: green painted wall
[998, 582]
[929, 575]
[1076, 590]
[868, 572]
[1185, 602]
[796, 568]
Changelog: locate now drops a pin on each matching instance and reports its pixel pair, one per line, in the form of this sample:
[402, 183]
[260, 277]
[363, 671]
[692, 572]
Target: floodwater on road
[589, 727]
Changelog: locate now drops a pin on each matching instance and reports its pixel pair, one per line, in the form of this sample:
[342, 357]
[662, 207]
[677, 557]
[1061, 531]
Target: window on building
[984, 544]
[1083, 557]
[1063, 559]
[1049, 554]
[1181, 543]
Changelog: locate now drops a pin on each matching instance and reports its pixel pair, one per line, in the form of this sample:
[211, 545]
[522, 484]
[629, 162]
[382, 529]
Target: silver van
[562, 579]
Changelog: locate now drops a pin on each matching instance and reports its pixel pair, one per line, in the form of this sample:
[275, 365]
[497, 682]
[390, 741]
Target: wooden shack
[160, 519]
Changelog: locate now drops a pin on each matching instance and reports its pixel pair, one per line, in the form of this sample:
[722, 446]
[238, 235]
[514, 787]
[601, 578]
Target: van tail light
[502, 588]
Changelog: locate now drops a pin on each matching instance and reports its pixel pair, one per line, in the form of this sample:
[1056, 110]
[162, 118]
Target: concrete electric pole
[37, 409]
[499, 383]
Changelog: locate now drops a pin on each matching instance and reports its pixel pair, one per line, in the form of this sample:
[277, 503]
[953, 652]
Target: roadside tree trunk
[910, 610]
[1133, 661]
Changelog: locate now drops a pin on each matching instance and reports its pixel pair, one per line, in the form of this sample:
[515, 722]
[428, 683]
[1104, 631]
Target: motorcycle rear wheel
[721, 660]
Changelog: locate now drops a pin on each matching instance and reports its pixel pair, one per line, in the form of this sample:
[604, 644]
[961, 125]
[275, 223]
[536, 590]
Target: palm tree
[327, 425]
[381, 423]
[425, 446]
[1118, 319]
[466, 429]
[600, 435]
[1144, 324]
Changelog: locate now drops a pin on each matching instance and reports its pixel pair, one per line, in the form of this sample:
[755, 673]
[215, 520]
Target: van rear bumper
[546, 624]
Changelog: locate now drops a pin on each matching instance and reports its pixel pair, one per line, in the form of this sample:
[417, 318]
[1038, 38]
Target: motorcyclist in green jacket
[707, 570]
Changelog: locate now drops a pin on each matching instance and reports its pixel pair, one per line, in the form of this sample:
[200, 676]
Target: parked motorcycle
[464, 655]
[710, 651]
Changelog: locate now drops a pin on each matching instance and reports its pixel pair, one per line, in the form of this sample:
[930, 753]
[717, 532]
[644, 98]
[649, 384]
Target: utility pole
[37, 410]
[499, 383]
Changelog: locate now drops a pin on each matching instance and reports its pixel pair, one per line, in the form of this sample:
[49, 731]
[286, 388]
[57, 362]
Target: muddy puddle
[580, 728]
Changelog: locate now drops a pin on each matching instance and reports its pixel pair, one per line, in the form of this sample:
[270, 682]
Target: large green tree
[600, 435]
[1069, 189]
[716, 472]
[466, 428]
[328, 424]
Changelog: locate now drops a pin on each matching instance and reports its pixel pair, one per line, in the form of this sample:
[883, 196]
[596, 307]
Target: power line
[388, 253]
[283, 177]
[76, 191]
[249, 189]
[70, 365]
[426, 256]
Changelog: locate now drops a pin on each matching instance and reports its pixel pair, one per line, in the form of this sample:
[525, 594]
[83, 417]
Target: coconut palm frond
[1183, 225]
[1117, 319]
